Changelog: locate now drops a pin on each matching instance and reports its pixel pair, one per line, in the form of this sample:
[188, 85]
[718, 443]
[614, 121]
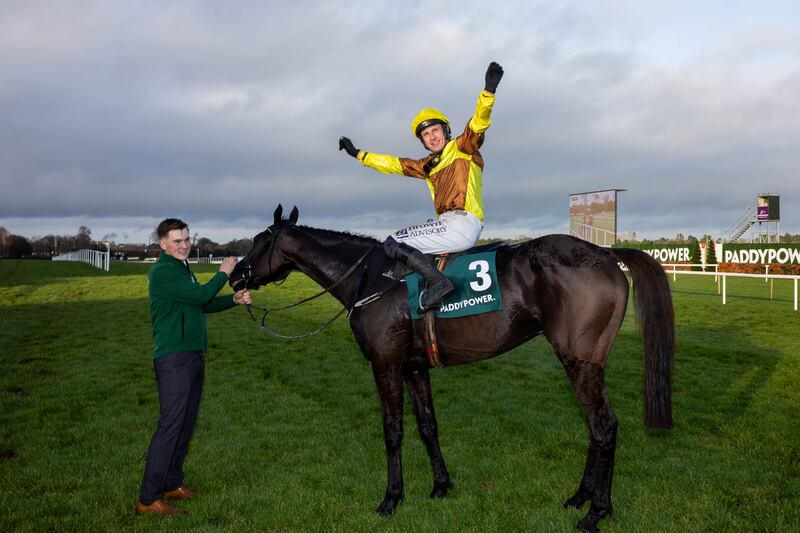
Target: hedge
[756, 268]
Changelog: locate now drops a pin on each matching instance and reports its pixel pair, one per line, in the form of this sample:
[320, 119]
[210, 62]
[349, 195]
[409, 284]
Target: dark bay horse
[571, 291]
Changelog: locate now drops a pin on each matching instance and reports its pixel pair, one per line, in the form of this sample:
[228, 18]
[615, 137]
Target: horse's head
[264, 262]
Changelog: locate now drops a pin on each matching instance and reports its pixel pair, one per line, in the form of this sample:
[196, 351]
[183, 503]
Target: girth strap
[429, 334]
[431, 348]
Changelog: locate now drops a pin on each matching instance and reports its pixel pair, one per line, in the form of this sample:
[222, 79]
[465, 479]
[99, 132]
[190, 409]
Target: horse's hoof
[388, 505]
[577, 501]
[589, 522]
[440, 490]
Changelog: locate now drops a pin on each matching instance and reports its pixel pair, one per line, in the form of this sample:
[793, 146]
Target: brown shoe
[181, 493]
[157, 507]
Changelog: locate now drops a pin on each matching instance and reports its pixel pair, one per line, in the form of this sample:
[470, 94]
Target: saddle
[488, 247]
[381, 284]
[429, 318]
[399, 270]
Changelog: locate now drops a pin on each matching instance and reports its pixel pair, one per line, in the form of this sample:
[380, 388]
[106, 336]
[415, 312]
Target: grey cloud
[219, 111]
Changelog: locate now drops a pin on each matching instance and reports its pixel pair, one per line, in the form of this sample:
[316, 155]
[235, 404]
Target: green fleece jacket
[178, 304]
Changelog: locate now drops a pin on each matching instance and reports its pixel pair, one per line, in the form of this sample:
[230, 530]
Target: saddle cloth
[476, 288]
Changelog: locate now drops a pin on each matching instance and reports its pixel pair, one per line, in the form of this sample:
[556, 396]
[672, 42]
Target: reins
[266, 309]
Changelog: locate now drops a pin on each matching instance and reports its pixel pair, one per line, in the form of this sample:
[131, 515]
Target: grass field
[290, 438]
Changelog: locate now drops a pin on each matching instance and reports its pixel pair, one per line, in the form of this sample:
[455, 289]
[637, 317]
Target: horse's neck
[327, 263]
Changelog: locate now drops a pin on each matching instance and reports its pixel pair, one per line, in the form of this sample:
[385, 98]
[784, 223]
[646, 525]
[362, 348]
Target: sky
[116, 115]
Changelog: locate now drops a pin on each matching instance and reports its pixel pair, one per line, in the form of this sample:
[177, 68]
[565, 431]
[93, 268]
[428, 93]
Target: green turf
[290, 438]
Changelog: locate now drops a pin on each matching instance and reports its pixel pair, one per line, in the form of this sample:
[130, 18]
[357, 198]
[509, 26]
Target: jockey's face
[433, 137]
[177, 244]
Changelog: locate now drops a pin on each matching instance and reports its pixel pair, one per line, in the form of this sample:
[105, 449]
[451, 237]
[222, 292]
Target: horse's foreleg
[419, 388]
[588, 383]
[390, 389]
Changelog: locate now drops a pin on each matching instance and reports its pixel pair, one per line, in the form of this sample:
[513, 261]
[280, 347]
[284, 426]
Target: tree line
[18, 247]
[679, 238]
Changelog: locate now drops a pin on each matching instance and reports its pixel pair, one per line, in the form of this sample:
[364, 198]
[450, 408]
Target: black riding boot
[437, 286]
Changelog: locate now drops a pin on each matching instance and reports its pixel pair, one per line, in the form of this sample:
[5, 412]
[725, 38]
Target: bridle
[248, 272]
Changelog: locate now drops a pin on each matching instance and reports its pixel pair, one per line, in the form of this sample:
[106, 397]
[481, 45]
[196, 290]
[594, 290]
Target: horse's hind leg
[588, 383]
[418, 383]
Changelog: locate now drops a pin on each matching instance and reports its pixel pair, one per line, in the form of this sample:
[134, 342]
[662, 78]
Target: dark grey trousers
[180, 384]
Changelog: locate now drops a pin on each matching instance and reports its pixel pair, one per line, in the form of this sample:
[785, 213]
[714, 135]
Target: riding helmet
[428, 117]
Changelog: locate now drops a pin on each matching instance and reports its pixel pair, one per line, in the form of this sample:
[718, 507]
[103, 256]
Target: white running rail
[101, 260]
[721, 278]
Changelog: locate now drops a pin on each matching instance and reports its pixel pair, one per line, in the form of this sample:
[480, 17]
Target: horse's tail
[656, 320]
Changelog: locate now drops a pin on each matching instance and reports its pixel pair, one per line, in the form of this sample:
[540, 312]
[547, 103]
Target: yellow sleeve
[481, 120]
[386, 164]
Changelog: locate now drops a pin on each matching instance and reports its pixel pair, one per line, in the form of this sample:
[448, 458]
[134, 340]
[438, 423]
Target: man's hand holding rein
[242, 297]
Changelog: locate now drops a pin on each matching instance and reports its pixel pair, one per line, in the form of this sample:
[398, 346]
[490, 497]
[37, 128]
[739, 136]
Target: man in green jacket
[178, 304]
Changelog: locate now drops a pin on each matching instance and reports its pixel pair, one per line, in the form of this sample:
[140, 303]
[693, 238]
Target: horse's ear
[278, 214]
[293, 215]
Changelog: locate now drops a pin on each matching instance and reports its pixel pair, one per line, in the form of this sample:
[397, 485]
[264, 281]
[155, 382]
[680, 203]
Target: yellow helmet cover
[428, 117]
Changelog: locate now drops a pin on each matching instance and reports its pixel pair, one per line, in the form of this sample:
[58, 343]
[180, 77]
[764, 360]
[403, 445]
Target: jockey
[453, 174]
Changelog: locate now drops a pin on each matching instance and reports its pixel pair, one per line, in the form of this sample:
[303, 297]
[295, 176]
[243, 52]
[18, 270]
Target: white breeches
[454, 231]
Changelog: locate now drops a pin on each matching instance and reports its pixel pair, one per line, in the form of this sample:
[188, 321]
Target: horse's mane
[333, 235]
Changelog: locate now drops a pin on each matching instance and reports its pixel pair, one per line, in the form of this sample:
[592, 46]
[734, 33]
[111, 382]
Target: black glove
[347, 145]
[493, 76]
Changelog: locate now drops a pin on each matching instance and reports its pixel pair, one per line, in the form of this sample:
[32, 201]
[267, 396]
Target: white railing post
[724, 288]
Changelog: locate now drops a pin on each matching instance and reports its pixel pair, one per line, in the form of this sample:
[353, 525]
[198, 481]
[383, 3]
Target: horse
[569, 290]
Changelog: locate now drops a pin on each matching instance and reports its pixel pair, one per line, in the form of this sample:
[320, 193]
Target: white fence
[722, 278]
[198, 260]
[97, 259]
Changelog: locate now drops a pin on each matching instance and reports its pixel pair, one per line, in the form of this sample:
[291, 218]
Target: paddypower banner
[667, 253]
[783, 254]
